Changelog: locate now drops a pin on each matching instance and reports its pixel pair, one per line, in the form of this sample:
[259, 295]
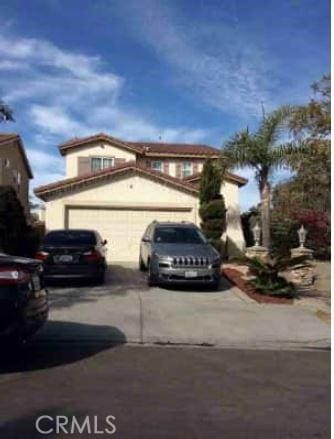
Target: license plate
[36, 282]
[63, 258]
[190, 274]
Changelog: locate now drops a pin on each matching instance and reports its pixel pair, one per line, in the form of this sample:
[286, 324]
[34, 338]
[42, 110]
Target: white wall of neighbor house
[97, 149]
[234, 233]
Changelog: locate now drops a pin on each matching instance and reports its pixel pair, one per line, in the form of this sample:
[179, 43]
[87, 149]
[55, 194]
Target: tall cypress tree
[212, 206]
[210, 183]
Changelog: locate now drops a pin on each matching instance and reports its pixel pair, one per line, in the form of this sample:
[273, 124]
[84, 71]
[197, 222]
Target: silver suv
[178, 253]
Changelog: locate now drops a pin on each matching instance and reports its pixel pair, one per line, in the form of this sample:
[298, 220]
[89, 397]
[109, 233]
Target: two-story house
[118, 187]
[15, 170]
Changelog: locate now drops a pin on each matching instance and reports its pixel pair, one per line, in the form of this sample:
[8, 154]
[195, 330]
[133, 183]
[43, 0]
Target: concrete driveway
[126, 310]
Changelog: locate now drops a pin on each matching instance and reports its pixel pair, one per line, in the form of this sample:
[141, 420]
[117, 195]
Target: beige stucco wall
[134, 190]
[97, 149]
[233, 235]
[139, 191]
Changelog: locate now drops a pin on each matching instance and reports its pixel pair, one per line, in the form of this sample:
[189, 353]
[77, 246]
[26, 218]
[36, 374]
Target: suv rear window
[178, 235]
[70, 237]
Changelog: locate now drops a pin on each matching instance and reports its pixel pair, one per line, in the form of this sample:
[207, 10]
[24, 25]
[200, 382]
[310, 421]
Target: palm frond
[273, 125]
[242, 150]
[6, 114]
[285, 154]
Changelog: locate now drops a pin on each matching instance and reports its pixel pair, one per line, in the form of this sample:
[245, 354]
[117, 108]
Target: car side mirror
[105, 242]
[146, 239]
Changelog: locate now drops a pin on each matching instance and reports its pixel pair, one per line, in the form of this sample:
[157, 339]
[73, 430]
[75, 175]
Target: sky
[171, 70]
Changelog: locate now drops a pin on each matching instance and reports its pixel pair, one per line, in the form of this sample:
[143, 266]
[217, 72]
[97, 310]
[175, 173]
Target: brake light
[92, 256]
[12, 276]
[41, 255]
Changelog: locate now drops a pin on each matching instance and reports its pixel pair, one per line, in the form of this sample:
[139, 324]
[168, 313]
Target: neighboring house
[15, 170]
[119, 187]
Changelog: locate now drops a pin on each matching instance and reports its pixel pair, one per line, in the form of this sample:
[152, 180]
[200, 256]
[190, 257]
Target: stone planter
[257, 252]
[303, 277]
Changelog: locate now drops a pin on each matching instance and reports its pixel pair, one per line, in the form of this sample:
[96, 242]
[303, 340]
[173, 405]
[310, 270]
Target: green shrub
[267, 279]
[212, 210]
[213, 223]
[284, 232]
[284, 235]
[16, 236]
[248, 221]
[210, 182]
[212, 206]
[12, 221]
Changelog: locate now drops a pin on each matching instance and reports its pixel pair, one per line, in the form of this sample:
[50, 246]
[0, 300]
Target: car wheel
[142, 266]
[150, 277]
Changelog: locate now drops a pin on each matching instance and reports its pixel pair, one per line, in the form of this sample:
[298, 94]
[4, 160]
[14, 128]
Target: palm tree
[5, 112]
[263, 152]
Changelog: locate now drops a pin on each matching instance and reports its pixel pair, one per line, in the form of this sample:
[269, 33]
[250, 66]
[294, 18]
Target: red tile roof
[145, 148]
[44, 191]
[9, 137]
[241, 181]
[153, 148]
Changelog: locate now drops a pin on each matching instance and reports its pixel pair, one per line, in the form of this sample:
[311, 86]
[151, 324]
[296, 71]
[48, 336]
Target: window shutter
[119, 162]
[195, 167]
[84, 165]
[166, 167]
[148, 163]
[178, 171]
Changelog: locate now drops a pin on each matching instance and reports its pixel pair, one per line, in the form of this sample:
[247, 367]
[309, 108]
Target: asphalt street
[164, 392]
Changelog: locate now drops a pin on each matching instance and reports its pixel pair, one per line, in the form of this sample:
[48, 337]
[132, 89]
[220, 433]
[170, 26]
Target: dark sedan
[23, 299]
[73, 254]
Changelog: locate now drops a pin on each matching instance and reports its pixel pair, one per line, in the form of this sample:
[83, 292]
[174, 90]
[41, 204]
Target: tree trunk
[265, 213]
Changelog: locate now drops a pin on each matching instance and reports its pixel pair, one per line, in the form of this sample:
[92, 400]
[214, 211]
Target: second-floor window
[99, 163]
[156, 165]
[186, 169]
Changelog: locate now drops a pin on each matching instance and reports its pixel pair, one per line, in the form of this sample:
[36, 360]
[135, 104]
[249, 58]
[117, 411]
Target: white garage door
[123, 229]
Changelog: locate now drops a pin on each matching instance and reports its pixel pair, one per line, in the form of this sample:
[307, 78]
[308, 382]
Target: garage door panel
[122, 228]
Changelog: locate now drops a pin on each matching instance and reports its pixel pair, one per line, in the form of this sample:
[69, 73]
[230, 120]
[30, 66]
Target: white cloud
[43, 160]
[56, 74]
[61, 94]
[54, 120]
[217, 63]
[47, 167]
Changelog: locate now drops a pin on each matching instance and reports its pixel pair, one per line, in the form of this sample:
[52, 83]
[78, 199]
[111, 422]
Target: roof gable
[80, 142]
[69, 184]
[229, 176]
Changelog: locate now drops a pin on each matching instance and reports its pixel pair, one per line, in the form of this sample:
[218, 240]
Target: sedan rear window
[178, 235]
[70, 237]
